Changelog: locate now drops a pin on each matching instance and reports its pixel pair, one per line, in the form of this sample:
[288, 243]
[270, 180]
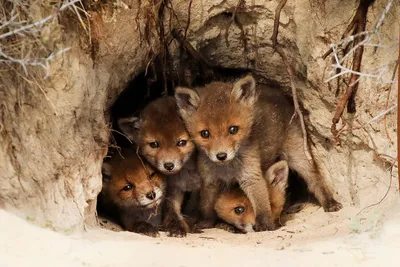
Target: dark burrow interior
[151, 84]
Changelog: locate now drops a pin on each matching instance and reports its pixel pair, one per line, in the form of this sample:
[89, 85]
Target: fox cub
[164, 141]
[240, 129]
[234, 207]
[135, 190]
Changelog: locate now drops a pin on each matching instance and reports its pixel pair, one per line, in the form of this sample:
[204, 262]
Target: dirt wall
[52, 144]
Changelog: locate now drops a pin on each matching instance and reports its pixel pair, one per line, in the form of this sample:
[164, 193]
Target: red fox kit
[136, 190]
[235, 208]
[164, 141]
[240, 130]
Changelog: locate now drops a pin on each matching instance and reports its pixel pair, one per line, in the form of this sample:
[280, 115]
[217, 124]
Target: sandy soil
[311, 238]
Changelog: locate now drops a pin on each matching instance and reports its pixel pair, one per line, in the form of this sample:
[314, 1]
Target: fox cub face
[219, 116]
[161, 135]
[129, 183]
[235, 208]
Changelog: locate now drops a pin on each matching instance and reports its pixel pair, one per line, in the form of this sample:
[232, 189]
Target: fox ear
[129, 125]
[278, 174]
[187, 100]
[244, 90]
[106, 171]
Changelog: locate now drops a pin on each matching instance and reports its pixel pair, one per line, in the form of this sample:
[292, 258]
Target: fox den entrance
[151, 179]
[214, 124]
[227, 132]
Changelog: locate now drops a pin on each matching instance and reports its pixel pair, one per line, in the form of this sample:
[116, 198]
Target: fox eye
[154, 145]
[233, 130]
[181, 143]
[239, 210]
[205, 134]
[128, 187]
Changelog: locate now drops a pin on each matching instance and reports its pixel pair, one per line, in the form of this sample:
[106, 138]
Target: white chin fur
[213, 157]
[148, 203]
[248, 228]
[153, 203]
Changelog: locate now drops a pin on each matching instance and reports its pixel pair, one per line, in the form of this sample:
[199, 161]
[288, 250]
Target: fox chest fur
[188, 179]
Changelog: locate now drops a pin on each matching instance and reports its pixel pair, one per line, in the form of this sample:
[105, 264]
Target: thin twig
[347, 39]
[295, 101]
[278, 10]
[188, 21]
[344, 42]
[233, 19]
[383, 113]
[289, 70]
[118, 132]
[41, 62]
[38, 23]
[387, 191]
[387, 102]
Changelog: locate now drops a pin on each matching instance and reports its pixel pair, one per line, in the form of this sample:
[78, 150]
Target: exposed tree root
[278, 10]
[289, 70]
[163, 45]
[239, 6]
[188, 21]
[357, 27]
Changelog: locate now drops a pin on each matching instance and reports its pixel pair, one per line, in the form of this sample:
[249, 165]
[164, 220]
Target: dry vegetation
[30, 35]
[31, 38]
[349, 74]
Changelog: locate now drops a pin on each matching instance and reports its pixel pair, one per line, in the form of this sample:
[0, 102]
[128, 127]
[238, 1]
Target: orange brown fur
[225, 207]
[160, 123]
[228, 201]
[136, 190]
[261, 117]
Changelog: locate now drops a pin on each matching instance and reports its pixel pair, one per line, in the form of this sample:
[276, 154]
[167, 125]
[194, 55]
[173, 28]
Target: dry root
[289, 70]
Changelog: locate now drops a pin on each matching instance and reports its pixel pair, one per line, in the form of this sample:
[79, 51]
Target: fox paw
[263, 224]
[196, 230]
[176, 228]
[146, 229]
[205, 224]
[332, 206]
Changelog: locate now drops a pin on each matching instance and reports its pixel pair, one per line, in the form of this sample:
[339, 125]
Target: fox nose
[169, 166]
[151, 195]
[222, 156]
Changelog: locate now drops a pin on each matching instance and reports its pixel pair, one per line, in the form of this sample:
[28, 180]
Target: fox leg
[254, 185]
[191, 210]
[316, 183]
[256, 190]
[174, 222]
[209, 190]
[208, 197]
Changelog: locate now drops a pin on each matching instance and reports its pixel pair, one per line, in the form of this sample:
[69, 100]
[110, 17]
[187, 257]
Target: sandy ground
[311, 238]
